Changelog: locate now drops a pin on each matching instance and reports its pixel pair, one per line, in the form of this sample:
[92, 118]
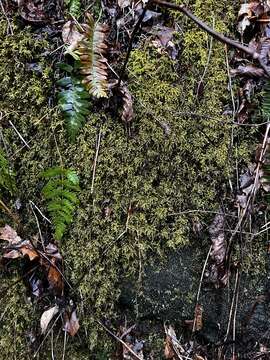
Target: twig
[41, 213]
[200, 286]
[38, 226]
[20, 136]
[220, 37]
[5, 14]
[232, 305]
[119, 339]
[136, 28]
[207, 64]
[95, 163]
[42, 342]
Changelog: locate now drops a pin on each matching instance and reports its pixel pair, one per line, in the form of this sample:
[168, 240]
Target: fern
[61, 194]
[73, 100]
[266, 101]
[7, 176]
[93, 64]
[266, 165]
[74, 7]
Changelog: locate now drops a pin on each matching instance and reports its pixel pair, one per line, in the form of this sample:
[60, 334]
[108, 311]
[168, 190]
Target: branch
[220, 37]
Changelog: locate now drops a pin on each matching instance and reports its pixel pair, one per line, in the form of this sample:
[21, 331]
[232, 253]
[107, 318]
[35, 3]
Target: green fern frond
[7, 176]
[73, 100]
[91, 51]
[74, 7]
[61, 194]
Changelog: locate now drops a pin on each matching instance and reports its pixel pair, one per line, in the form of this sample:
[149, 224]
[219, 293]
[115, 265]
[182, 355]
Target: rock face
[134, 249]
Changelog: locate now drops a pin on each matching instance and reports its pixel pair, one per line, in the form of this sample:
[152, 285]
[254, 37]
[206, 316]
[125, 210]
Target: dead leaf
[47, 316]
[55, 278]
[250, 71]
[127, 114]
[71, 36]
[10, 235]
[173, 349]
[124, 3]
[71, 323]
[198, 318]
[218, 273]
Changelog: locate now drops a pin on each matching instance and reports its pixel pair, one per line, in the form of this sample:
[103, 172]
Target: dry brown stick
[220, 37]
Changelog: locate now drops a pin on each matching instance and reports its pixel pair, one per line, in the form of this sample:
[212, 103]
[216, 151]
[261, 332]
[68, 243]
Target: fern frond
[73, 100]
[7, 176]
[266, 100]
[91, 51]
[61, 194]
[74, 7]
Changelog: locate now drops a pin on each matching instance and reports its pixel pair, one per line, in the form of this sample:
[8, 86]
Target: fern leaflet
[74, 7]
[91, 51]
[61, 194]
[73, 100]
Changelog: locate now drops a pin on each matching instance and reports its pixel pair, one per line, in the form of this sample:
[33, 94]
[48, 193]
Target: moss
[141, 182]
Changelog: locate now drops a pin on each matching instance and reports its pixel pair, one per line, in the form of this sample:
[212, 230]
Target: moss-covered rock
[133, 208]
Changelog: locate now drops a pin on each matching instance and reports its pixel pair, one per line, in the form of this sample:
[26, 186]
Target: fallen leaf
[218, 273]
[55, 278]
[7, 233]
[124, 3]
[47, 316]
[71, 36]
[248, 71]
[173, 349]
[71, 323]
[127, 113]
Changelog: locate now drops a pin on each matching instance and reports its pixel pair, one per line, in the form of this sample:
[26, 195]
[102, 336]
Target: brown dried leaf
[71, 323]
[71, 36]
[248, 71]
[127, 114]
[55, 278]
[219, 274]
[198, 318]
[7, 233]
[46, 317]
[173, 348]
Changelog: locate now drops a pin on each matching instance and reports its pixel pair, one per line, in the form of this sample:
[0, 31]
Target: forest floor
[133, 200]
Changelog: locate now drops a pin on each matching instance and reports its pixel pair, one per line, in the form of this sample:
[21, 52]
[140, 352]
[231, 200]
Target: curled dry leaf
[7, 233]
[16, 246]
[127, 114]
[71, 36]
[249, 13]
[219, 273]
[173, 349]
[47, 316]
[124, 3]
[71, 323]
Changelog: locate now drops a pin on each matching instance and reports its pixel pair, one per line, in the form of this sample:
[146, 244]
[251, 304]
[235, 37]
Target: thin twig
[119, 339]
[4, 12]
[220, 37]
[200, 285]
[18, 133]
[95, 162]
[41, 213]
[38, 226]
[134, 32]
